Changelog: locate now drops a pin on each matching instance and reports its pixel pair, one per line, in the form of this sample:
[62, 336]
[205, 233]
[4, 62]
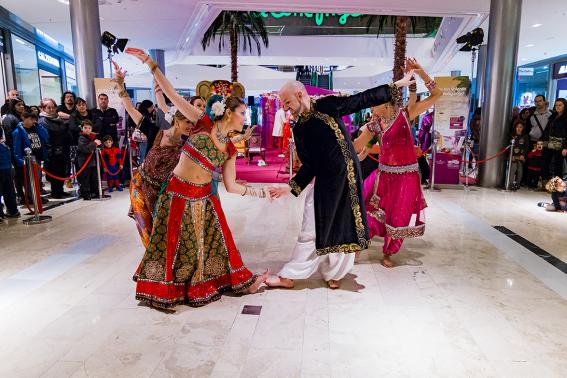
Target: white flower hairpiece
[170, 114]
[218, 108]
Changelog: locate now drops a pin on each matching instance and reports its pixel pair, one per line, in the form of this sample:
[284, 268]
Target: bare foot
[387, 262]
[334, 284]
[280, 282]
[259, 281]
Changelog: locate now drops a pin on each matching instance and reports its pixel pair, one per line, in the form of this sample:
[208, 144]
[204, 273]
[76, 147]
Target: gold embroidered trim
[296, 189]
[405, 232]
[343, 248]
[363, 242]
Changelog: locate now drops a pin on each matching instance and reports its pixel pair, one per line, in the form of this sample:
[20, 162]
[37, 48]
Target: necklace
[222, 138]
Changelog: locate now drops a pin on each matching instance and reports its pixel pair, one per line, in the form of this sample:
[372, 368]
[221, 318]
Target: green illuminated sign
[319, 17]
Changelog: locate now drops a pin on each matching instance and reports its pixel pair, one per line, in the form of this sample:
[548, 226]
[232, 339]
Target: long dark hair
[564, 114]
[145, 106]
[12, 107]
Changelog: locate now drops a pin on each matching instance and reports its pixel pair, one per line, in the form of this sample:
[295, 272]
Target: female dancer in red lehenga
[162, 157]
[191, 256]
[392, 194]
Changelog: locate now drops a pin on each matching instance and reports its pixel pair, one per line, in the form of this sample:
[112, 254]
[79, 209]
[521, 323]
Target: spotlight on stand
[116, 45]
[113, 46]
[471, 39]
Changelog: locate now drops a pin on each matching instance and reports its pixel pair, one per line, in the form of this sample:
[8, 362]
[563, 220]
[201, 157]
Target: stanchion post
[37, 218]
[433, 156]
[101, 196]
[507, 186]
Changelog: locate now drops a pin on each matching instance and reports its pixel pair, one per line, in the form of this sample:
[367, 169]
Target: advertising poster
[110, 88]
[451, 126]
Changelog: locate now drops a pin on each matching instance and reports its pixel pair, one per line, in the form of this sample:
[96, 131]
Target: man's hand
[279, 191]
[97, 142]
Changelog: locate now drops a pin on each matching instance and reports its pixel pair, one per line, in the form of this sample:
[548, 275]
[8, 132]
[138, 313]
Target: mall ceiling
[177, 26]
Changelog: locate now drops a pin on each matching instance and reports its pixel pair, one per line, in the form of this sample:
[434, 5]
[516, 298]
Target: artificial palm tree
[400, 41]
[243, 28]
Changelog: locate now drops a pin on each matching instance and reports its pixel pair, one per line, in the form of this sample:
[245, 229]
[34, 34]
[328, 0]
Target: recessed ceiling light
[536, 25]
[66, 2]
[530, 45]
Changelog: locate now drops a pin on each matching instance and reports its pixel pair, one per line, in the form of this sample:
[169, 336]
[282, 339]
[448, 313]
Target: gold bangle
[123, 93]
[153, 66]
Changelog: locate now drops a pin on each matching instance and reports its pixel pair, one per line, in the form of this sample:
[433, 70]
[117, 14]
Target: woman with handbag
[556, 141]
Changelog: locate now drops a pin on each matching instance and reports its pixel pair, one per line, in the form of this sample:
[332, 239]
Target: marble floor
[465, 300]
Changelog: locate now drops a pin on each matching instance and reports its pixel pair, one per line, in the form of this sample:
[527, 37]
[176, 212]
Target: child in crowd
[28, 134]
[7, 191]
[519, 153]
[558, 189]
[535, 160]
[113, 159]
[88, 178]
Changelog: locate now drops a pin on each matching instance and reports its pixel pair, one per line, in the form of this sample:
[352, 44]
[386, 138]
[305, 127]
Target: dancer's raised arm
[417, 108]
[120, 74]
[160, 98]
[192, 113]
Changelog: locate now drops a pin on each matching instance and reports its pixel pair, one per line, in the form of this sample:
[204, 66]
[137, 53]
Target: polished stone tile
[464, 301]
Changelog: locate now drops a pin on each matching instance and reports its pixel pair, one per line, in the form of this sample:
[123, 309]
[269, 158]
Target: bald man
[334, 219]
[12, 94]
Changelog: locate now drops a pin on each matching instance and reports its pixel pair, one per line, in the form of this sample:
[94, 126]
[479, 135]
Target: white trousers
[304, 261]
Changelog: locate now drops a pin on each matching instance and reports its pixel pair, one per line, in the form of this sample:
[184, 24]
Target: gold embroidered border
[296, 189]
[405, 232]
[343, 248]
[363, 242]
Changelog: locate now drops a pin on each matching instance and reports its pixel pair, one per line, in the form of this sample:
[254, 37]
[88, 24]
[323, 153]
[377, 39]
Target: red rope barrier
[499, 153]
[120, 167]
[72, 176]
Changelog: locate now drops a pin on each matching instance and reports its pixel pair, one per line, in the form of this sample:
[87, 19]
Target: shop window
[27, 73]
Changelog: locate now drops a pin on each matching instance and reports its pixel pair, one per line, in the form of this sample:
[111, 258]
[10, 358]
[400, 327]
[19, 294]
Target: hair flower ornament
[218, 108]
[170, 114]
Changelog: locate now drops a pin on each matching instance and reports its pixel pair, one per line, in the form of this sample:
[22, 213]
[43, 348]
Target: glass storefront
[49, 76]
[26, 69]
[532, 80]
[71, 77]
[3, 89]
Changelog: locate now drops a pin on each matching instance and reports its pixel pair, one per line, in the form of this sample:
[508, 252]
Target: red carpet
[268, 174]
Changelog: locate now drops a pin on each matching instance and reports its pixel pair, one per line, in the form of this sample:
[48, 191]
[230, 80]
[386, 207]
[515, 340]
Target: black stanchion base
[103, 198]
[37, 219]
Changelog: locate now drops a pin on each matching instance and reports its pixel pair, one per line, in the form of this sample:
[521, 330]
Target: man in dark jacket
[334, 220]
[105, 119]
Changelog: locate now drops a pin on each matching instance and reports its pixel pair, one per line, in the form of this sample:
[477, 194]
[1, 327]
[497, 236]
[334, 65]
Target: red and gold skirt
[191, 257]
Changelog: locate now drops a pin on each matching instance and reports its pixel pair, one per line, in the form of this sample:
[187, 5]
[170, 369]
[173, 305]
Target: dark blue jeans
[8, 192]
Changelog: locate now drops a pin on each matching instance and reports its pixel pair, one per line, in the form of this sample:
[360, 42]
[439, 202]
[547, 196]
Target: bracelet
[431, 85]
[153, 66]
[123, 93]
[413, 87]
[258, 193]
